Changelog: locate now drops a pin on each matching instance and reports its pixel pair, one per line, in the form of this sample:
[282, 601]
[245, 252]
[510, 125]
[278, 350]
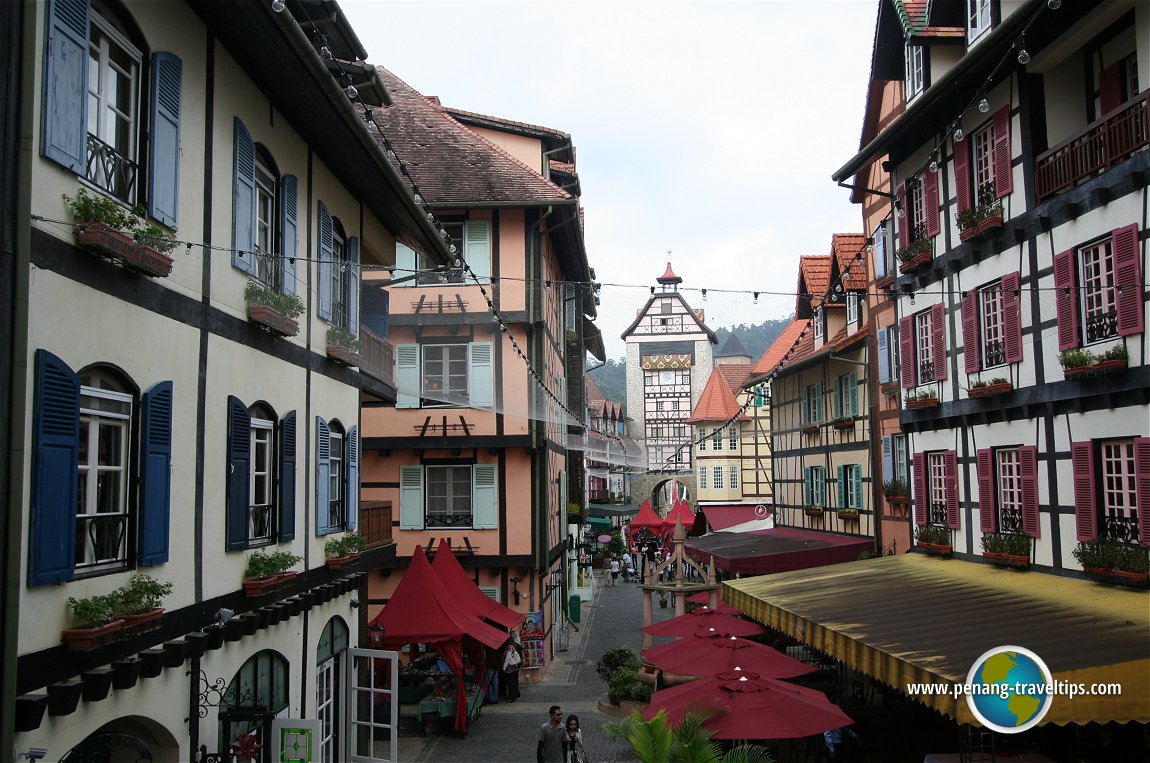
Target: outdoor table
[435, 709]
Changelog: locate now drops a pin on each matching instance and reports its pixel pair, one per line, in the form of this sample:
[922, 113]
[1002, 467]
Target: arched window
[102, 508]
[256, 694]
[114, 86]
[329, 710]
[337, 474]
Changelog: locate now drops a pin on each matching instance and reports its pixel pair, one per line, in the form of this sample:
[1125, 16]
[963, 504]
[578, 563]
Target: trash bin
[574, 604]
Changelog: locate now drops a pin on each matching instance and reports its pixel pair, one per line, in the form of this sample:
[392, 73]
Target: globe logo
[1009, 689]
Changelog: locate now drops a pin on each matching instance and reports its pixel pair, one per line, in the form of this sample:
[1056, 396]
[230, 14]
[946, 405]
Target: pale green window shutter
[411, 497]
[477, 248]
[838, 397]
[484, 497]
[841, 484]
[480, 376]
[818, 402]
[407, 383]
[405, 263]
[853, 382]
[808, 487]
[858, 487]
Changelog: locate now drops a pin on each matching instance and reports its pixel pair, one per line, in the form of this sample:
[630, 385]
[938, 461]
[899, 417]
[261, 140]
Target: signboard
[532, 634]
[295, 740]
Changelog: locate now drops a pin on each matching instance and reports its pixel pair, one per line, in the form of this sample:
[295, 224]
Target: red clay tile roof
[449, 162]
[840, 340]
[567, 168]
[669, 276]
[814, 278]
[915, 22]
[779, 348]
[735, 373]
[508, 122]
[717, 403]
[845, 247]
[593, 391]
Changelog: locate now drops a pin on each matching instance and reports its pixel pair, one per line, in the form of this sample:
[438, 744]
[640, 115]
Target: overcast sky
[705, 129]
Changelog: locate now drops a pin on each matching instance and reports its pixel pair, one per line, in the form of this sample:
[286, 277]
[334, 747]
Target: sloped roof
[915, 18]
[717, 403]
[841, 340]
[451, 164]
[735, 374]
[814, 280]
[779, 348]
[593, 391]
[845, 247]
[696, 314]
[732, 348]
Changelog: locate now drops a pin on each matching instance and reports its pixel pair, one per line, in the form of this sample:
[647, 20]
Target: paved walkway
[507, 731]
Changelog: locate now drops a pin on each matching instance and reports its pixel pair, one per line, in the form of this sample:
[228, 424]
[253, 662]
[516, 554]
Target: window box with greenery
[94, 624]
[343, 550]
[1113, 360]
[917, 400]
[889, 388]
[151, 254]
[1006, 549]
[810, 429]
[139, 603]
[850, 515]
[1097, 557]
[268, 570]
[996, 386]
[343, 346]
[274, 311]
[975, 221]
[1077, 363]
[813, 511]
[844, 422]
[106, 227]
[896, 492]
[1131, 565]
[933, 539]
[916, 253]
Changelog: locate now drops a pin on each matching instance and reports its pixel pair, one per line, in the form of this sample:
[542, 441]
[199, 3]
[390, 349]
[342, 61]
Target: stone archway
[652, 487]
[127, 738]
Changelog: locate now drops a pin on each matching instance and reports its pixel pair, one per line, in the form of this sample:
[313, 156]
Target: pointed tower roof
[732, 348]
[669, 277]
[717, 403]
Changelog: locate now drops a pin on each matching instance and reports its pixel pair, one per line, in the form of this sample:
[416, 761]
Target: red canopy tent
[422, 611]
[681, 510]
[647, 519]
[466, 593]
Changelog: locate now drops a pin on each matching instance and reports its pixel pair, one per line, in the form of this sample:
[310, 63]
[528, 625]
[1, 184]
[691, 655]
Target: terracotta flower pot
[1109, 366]
[145, 622]
[935, 549]
[926, 402]
[914, 262]
[1136, 579]
[336, 562]
[844, 423]
[1015, 561]
[344, 355]
[105, 240]
[85, 639]
[273, 320]
[149, 261]
[811, 429]
[848, 514]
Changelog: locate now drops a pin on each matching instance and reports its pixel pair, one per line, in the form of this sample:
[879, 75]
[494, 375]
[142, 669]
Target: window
[1111, 489]
[261, 682]
[262, 484]
[102, 496]
[733, 437]
[814, 486]
[978, 19]
[853, 313]
[448, 495]
[983, 169]
[666, 377]
[702, 478]
[113, 106]
[716, 439]
[894, 461]
[335, 493]
[674, 405]
[819, 323]
[733, 472]
[1119, 491]
[850, 486]
[992, 324]
[935, 489]
[337, 275]
[936, 486]
[924, 347]
[1009, 480]
[260, 475]
[915, 70]
[267, 262]
[702, 443]
[337, 477]
[883, 263]
[846, 395]
[436, 375]
[813, 404]
[1100, 309]
[717, 473]
[333, 642]
[649, 379]
[472, 242]
[982, 144]
[993, 348]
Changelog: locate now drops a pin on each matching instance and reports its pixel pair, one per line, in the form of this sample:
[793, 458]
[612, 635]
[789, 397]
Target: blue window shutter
[156, 474]
[164, 170]
[322, 477]
[858, 487]
[484, 497]
[477, 248]
[243, 198]
[407, 383]
[323, 267]
[480, 376]
[287, 476]
[239, 473]
[289, 229]
[411, 497]
[353, 285]
[841, 484]
[883, 356]
[406, 262]
[55, 464]
[352, 477]
[853, 385]
[64, 119]
[887, 458]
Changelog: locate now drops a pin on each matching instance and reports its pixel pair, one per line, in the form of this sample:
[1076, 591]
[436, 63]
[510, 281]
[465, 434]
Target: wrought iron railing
[986, 195]
[375, 523]
[268, 269]
[259, 524]
[1122, 529]
[111, 171]
[1104, 143]
[994, 354]
[1010, 518]
[599, 496]
[925, 371]
[378, 356]
[1101, 326]
[440, 277]
[448, 520]
[938, 513]
[100, 539]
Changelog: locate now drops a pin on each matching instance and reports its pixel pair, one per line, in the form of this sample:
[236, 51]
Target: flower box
[86, 639]
[848, 514]
[923, 402]
[1109, 366]
[810, 429]
[884, 282]
[847, 422]
[1078, 372]
[984, 225]
[105, 240]
[337, 562]
[935, 549]
[134, 625]
[1134, 579]
[991, 390]
[1007, 560]
[889, 388]
[344, 355]
[149, 261]
[273, 320]
[921, 259]
[897, 500]
[264, 586]
[813, 511]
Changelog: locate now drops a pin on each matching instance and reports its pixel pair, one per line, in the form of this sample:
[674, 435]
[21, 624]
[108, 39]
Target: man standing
[550, 746]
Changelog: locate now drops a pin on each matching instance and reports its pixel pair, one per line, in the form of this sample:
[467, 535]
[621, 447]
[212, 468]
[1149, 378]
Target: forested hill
[612, 376]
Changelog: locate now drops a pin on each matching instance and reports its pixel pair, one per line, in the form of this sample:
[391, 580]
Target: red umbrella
[704, 597]
[710, 653]
[704, 618]
[746, 706]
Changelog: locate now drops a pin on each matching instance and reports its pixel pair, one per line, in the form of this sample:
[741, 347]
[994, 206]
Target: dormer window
[818, 322]
[915, 70]
[853, 308]
[978, 19]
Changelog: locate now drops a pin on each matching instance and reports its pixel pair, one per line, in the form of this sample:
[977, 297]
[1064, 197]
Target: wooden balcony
[375, 523]
[378, 356]
[1104, 144]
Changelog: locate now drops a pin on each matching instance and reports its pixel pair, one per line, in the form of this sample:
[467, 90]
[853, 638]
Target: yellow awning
[919, 619]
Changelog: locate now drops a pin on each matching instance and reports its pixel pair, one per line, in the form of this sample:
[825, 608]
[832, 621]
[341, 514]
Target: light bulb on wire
[933, 166]
[1023, 57]
[958, 135]
[278, 6]
[984, 105]
[350, 91]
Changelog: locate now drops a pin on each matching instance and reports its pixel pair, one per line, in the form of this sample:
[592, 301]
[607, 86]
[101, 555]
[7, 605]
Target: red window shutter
[1128, 276]
[987, 513]
[1085, 503]
[1012, 316]
[930, 203]
[1028, 472]
[1066, 294]
[970, 340]
[938, 340]
[920, 496]
[1142, 487]
[962, 179]
[1003, 175]
[950, 476]
[1110, 88]
[904, 220]
[906, 352]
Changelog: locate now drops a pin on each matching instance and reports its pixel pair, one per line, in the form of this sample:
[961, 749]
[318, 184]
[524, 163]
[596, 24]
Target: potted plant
[995, 386]
[896, 492]
[1096, 557]
[810, 429]
[844, 422]
[343, 346]
[615, 658]
[813, 511]
[1131, 565]
[139, 603]
[975, 221]
[1008, 549]
[150, 256]
[272, 310]
[923, 399]
[267, 570]
[622, 684]
[1114, 359]
[339, 551]
[102, 224]
[1076, 363]
[94, 624]
[914, 254]
[933, 539]
[848, 514]
[889, 387]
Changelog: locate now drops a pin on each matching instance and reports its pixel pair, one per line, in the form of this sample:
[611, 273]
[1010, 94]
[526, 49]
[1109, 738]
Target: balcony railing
[994, 354]
[925, 371]
[110, 170]
[599, 496]
[375, 523]
[938, 513]
[100, 539]
[1105, 143]
[378, 356]
[1101, 326]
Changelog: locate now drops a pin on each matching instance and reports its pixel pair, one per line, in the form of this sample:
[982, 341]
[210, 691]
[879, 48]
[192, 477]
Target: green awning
[612, 510]
[599, 522]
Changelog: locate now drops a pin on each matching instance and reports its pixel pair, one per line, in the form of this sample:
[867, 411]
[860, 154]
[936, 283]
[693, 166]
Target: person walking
[549, 747]
[573, 751]
[512, 661]
[614, 572]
